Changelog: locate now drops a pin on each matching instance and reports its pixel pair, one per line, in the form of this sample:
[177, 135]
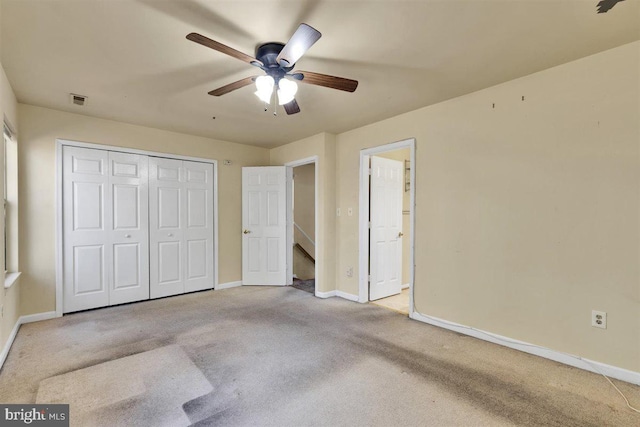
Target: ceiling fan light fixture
[286, 91]
[277, 60]
[264, 86]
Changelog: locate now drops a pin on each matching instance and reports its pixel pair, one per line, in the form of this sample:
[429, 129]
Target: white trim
[59, 203]
[341, 294]
[30, 318]
[363, 222]
[9, 343]
[59, 230]
[10, 279]
[319, 260]
[21, 321]
[228, 285]
[289, 224]
[305, 234]
[302, 162]
[215, 226]
[558, 356]
[325, 294]
[119, 149]
[347, 296]
[406, 285]
[363, 256]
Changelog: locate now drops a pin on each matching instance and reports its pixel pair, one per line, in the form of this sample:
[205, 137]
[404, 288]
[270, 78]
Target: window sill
[10, 279]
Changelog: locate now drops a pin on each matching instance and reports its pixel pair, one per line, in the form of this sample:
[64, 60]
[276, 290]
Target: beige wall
[324, 146]
[527, 214]
[402, 155]
[39, 128]
[9, 298]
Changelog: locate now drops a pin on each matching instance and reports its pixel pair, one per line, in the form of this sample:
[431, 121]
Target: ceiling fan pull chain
[275, 108]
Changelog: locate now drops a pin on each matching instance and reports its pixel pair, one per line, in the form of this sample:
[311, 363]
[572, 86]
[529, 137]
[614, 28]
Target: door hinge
[369, 278]
[370, 171]
[369, 224]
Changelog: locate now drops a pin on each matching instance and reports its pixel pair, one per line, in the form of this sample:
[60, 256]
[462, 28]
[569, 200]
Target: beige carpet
[149, 386]
[279, 356]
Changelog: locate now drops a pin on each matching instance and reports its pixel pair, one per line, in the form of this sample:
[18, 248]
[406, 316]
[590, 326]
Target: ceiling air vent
[77, 99]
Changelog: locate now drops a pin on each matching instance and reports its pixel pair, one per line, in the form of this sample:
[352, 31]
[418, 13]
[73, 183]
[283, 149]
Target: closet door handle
[127, 235]
[170, 234]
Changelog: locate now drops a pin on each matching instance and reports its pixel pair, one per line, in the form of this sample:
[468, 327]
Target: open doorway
[387, 226]
[303, 204]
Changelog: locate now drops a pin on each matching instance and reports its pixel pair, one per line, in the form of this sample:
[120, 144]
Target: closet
[134, 227]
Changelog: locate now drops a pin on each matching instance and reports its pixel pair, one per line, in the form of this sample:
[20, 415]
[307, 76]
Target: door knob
[127, 235]
[400, 234]
[246, 232]
[170, 234]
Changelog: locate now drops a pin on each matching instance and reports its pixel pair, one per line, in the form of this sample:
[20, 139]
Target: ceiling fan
[277, 60]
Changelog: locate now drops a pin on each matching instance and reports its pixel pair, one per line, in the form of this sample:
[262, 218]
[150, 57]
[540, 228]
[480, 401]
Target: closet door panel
[86, 215]
[198, 220]
[129, 183]
[166, 223]
[169, 270]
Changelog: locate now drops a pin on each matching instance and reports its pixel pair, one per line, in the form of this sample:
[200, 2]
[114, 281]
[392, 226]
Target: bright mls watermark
[34, 415]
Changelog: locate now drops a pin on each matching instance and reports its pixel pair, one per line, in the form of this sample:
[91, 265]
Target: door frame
[318, 260]
[60, 143]
[363, 257]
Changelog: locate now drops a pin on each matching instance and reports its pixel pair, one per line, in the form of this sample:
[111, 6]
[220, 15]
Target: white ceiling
[131, 58]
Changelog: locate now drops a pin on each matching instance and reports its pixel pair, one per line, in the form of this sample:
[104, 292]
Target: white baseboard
[7, 345]
[558, 356]
[325, 294]
[21, 321]
[347, 296]
[340, 294]
[228, 285]
[30, 318]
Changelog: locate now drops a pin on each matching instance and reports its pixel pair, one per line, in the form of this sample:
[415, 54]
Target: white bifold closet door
[105, 223]
[181, 226]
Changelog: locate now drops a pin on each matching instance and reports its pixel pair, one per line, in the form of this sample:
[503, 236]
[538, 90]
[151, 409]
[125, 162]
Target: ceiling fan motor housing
[267, 54]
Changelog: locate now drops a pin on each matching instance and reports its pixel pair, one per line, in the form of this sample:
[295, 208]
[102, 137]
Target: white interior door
[129, 230]
[385, 240]
[165, 227]
[266, 225]
[86, 254]
[198, 226]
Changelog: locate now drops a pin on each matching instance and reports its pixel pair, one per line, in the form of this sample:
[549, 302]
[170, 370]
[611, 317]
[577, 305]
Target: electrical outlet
[599, 319]
[350, 272]
[338, 212]
[349, 211]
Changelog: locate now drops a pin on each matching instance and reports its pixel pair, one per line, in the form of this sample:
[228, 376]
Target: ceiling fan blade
[232, 86]
[292, 107]
[304, 37]
[325, 80]
[205, 41]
